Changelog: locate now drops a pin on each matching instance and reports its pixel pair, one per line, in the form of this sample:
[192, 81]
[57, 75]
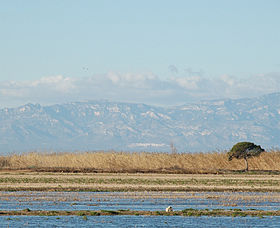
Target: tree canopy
[244, 150]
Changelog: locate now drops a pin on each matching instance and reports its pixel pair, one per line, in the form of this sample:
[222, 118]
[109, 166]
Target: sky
[163, 52]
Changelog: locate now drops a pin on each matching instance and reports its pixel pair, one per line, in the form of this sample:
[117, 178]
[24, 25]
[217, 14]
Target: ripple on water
[137, 200]
[137, 221]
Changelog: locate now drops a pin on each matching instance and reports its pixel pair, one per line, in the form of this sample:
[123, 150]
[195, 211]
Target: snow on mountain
[103, 125]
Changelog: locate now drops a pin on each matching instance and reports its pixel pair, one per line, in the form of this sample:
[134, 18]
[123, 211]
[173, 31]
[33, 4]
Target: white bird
[169, 209]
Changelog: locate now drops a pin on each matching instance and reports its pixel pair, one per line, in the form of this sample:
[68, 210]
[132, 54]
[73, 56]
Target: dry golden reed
[140, 161]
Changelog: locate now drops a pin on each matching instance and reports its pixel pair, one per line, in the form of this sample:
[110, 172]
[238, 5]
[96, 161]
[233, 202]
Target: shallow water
[136, 221]
[150, 201]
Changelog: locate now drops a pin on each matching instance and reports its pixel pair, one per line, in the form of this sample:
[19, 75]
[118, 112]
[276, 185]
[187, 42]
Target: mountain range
[104, 125]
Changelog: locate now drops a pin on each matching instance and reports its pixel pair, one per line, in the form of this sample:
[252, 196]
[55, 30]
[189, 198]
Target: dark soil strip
[174, 170]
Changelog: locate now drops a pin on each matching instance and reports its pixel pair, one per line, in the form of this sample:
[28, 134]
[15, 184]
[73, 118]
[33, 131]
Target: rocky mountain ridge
[104, 125]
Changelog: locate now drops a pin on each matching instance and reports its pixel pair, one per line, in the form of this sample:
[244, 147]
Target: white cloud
[144, 88]
[114, 77]
[129, 79]
[191, 83]
[59, 83]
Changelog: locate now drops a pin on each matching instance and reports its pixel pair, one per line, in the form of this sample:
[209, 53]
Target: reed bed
[112, 161]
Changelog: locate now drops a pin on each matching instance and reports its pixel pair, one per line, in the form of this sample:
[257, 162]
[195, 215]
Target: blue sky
[154, 46]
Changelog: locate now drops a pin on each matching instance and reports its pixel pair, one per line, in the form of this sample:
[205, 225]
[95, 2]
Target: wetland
[54, 199]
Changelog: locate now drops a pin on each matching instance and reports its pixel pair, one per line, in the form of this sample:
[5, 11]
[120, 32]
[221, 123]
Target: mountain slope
[95, 125]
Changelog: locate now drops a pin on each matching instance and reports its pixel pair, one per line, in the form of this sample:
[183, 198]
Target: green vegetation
[244, 150]
[185, 212]
[110, 212]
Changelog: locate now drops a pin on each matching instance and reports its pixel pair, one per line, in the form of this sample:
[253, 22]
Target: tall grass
[144, 161]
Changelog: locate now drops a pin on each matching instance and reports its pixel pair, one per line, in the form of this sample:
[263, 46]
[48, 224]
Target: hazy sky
[152, 51]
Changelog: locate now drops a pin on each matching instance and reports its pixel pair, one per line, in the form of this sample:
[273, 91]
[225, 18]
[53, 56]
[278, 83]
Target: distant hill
[103, 125]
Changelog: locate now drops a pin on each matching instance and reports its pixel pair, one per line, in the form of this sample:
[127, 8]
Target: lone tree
[244, 150]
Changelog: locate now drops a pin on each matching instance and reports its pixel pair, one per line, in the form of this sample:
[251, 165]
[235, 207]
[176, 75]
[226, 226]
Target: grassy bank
[138, 162]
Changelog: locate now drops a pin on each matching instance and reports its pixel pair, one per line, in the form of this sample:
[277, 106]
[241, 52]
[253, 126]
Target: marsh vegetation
[109, 184]
[126, 162]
